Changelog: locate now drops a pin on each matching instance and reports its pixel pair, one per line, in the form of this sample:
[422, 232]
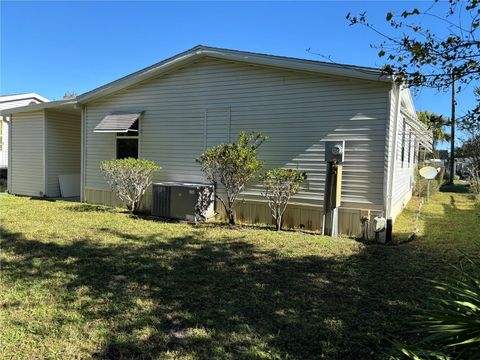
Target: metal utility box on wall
[175, 200]
[332, 196]
[335, 151]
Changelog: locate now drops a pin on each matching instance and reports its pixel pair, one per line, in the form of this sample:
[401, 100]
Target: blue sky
[54, 47]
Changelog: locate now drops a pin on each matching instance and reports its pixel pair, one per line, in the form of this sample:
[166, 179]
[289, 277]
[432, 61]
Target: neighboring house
[204, 96]
[44, 143]
[8, 102]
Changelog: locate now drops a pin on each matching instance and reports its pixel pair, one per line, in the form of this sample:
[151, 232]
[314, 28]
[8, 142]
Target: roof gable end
[197, 52]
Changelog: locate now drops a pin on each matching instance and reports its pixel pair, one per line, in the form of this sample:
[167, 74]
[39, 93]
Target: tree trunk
[231, 216]
[452, 135]
[130, 208]
[278, 222]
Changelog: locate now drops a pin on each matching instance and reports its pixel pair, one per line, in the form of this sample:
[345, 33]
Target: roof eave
[16, 97]
[233, 55]
[132, 79]
[300, 65]
[59, 104]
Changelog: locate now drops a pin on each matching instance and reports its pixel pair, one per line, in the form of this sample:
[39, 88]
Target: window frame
[404, 130]
[409, 147]
[121, 135]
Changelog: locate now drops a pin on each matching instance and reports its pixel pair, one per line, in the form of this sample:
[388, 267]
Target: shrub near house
[280, 186]
[129, 179]
[232, 165]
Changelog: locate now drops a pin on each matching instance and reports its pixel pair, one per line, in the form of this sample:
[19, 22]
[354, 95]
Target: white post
[335, 222]
[428, 190]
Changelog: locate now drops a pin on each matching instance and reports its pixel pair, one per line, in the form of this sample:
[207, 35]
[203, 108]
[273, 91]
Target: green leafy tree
[437, 124]
[470, 122]
[421, 57]
[418, 56]
[470, 150]
[232, 165]
[129, 179]
[280, 185]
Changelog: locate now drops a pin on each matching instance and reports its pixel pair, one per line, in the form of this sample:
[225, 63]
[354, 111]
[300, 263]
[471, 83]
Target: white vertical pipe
[393, 158]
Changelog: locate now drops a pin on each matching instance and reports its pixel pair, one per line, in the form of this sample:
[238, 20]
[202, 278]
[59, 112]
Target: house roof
[17, 97]
[421, 131]
[200, 51]
[58, 105]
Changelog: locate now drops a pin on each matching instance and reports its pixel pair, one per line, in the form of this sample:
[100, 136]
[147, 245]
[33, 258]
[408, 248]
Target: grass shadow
[455, 188]
[193, 297]
[210, 294]
[84, 207]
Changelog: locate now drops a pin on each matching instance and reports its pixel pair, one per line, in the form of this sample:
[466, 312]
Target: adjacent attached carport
[45, 149]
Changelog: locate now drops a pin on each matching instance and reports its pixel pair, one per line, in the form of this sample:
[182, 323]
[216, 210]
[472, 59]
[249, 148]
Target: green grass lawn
[81, 281]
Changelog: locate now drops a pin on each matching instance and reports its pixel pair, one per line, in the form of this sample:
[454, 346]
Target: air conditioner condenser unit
[183, 201]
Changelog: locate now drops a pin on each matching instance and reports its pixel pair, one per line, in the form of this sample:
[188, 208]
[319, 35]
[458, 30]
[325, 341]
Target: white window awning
[118, 122]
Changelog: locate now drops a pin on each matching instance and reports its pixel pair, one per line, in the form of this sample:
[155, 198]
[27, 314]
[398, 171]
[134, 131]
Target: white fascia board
[9, 98]
[137, 77]
[424, 134]
[60, 104]
[301, 65]
[408, 100]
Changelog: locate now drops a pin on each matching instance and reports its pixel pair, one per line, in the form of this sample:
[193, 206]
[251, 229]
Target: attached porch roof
[60, 105]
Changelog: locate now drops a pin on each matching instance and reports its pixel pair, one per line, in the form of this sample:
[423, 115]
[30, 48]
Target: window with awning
[126, 126]
[118, 122]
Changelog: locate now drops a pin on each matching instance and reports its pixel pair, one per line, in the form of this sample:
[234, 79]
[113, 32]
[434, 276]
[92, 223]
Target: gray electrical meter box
[335, 151]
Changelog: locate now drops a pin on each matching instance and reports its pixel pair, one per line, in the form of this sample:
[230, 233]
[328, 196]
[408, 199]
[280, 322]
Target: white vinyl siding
[62, 149]
[217, 126]
[3, 141]
[4, 124]
[404, 170]
[27, 154]
[298, 112]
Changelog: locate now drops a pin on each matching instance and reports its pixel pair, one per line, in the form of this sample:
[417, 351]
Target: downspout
[82, 153]
[45, 154]
[391, 178]
[9, 155]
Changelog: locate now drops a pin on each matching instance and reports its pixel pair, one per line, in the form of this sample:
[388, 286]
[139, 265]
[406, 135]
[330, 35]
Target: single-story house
[172, 111]
[9, 102]
[44, 143]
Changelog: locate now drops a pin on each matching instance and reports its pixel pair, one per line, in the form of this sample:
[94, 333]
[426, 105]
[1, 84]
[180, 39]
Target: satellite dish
[428, 172]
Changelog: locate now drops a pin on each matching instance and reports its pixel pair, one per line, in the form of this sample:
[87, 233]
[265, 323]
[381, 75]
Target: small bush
[129, 179]
[280, 186]
[233, 165]
[474, 180]
[420, 188]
